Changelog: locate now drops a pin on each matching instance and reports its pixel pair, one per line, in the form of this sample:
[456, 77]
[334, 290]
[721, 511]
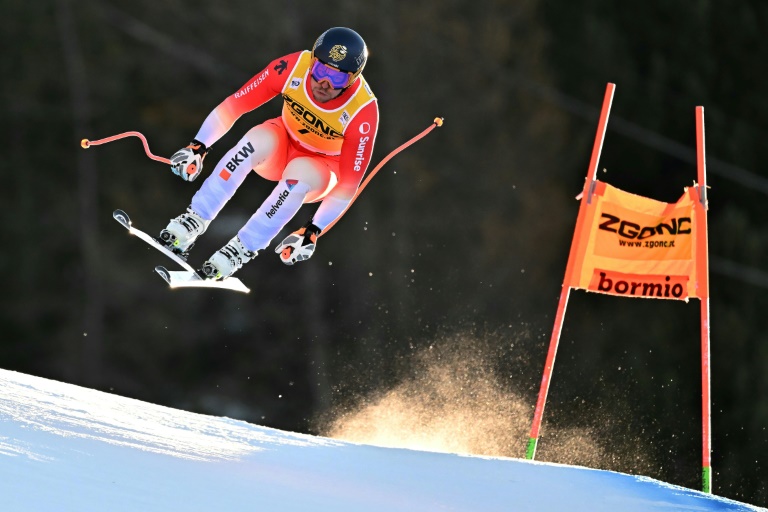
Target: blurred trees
[466, 233]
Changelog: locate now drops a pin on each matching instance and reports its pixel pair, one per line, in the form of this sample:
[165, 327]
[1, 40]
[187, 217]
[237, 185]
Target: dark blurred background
[456, 252]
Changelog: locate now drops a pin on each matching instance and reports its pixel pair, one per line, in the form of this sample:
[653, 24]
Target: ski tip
[122, 217]
[163, 273]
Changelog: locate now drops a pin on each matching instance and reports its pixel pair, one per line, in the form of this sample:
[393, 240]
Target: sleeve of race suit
[265, 85]
[355, 157]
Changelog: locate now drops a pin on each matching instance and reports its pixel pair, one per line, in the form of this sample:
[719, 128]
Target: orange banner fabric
[632, 246]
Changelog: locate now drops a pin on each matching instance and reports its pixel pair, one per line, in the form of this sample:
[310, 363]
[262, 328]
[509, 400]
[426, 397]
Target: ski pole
[85, 143]
[436, 123]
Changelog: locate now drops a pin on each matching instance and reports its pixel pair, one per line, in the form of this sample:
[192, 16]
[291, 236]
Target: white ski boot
[180, 234]
[227, 260]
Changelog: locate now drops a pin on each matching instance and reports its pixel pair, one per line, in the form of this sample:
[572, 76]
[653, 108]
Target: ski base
[191, 279]
[123, 218]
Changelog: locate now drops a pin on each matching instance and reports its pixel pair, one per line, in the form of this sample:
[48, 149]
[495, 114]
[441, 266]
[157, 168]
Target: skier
[317, 150]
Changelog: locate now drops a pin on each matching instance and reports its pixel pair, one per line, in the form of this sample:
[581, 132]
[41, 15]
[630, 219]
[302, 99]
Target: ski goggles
[337, 79]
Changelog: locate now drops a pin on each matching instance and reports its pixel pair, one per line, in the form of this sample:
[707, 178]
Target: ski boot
[180, 234]
[227, 260]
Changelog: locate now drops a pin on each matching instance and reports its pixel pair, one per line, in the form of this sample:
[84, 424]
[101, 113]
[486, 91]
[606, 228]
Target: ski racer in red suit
[317, 151]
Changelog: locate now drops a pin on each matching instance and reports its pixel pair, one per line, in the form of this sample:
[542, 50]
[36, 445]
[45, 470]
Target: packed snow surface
[64, 447]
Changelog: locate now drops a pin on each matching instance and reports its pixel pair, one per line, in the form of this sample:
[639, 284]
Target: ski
[123, 218]
[186, 279]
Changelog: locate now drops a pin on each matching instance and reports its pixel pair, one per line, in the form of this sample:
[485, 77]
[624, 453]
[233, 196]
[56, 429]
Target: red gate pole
[702, 284]
[586, 198]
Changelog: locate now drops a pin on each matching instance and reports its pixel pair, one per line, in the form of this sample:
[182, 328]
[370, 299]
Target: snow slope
[64, 447]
